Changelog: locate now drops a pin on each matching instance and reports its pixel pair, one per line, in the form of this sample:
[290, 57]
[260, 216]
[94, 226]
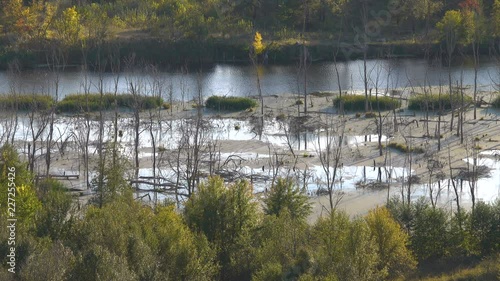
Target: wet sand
[480, 134]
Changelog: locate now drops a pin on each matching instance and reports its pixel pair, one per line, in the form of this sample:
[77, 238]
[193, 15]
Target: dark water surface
[240, 80]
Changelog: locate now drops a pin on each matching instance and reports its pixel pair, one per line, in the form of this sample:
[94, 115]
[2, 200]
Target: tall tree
[451, 31]
[391, 243]
[285, 195]
[225, 215]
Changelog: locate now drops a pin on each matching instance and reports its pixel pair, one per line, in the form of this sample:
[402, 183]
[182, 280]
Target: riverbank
[191, 53]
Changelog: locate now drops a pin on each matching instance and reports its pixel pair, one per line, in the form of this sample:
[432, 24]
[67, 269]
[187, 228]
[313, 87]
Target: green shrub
[26, 102]
[230, 103]
[496, 102]
[94, 102]
[432, 101]
[357, 102]
[166, 105]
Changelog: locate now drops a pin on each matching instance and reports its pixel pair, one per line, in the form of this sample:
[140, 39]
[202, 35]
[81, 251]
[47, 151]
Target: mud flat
[287, 142]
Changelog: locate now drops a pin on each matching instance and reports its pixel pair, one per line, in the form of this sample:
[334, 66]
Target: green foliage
[485, 228]
[343, 249]
[429, 228]
[53, 217]
[142, 244]
[100, 264]
[94, 102]
[284, 195]
[486, 270]
[495, 19]
[434, 102]
[49, 262]
[283, 248]
[225, 215]
[230, 103]
[67, 27]
[450, 25]
[391, 243]
[111, 182]
[16, 179]
[357, 102]
[430, 237]
[26, 102]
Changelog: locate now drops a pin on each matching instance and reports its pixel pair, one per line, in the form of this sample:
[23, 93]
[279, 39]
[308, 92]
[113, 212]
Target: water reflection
[240, 80]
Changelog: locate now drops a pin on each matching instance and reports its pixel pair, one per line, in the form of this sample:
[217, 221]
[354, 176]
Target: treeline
[33, 25]
[221, 233]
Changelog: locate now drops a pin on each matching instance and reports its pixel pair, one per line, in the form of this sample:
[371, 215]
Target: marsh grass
[432, 101]
[357, 102]
[26, 102]
[94, 102]
[230, 103]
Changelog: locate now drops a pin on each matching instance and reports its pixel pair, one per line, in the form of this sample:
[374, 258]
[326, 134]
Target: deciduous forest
[177, 32]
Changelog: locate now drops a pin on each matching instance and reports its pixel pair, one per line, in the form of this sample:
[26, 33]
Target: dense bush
[223, 233]
[432, 101]
[94, 102]
[26, 102]
[230, 103]
[357, 102]
[436, 233]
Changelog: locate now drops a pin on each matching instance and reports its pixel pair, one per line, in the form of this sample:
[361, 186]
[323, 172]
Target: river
[240, 80]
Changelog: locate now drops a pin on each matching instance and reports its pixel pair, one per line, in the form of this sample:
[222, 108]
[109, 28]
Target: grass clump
[26, 102]
[281, 117]
[94, 102]
[370, 115]
[230, 103]
[432, 101]
[357, 102]
[496, 102]
[404, 148]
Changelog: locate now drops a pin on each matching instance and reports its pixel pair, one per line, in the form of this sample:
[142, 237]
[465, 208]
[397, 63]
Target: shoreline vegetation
[172, 34]
[167, 54]
[92, 102]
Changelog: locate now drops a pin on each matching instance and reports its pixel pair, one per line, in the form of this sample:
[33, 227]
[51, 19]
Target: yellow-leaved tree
[255, 51]
[391, 243]
[258, 47]
[68, 26]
